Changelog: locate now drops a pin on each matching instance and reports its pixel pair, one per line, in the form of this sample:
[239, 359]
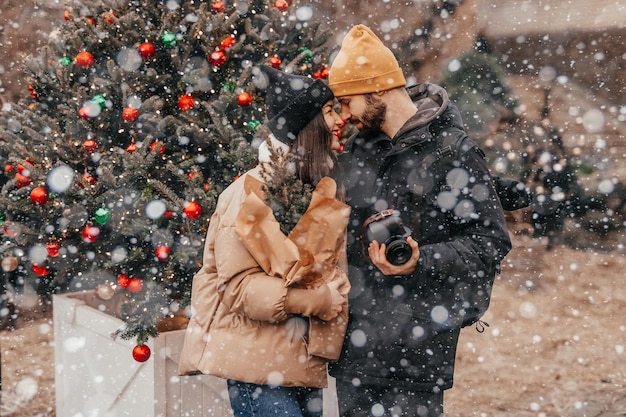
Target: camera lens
[398, 252]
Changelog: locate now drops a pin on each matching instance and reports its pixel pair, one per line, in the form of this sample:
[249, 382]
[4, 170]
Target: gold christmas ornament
[9, 264]
[106, 291]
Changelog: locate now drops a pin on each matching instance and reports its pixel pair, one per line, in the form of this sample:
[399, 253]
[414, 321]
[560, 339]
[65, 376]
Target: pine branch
[286, 195]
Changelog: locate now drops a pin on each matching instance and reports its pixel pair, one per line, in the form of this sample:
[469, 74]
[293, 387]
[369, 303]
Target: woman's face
[334, 123]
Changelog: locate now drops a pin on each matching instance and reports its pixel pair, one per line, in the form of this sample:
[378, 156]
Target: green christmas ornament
[228, 86]
[253, 124]
[168, 39]
[3, 217]
[102, 102]
[307, 54]
[65, 61]
[102, 215]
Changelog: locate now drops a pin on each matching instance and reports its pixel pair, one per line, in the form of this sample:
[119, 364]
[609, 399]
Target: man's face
[365, 111]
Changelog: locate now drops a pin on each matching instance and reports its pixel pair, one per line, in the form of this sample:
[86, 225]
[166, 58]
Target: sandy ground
[554, 347]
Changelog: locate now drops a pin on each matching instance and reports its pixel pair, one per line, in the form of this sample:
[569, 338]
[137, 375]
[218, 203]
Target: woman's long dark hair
[311, 149]
[314, 158]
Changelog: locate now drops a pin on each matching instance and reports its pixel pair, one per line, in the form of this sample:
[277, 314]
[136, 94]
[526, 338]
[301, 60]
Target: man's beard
[373, 116]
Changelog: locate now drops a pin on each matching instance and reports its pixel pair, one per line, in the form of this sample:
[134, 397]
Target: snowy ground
[554, 348]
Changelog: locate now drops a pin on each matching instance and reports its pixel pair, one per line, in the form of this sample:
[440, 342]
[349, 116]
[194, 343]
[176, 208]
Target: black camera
[386, 227]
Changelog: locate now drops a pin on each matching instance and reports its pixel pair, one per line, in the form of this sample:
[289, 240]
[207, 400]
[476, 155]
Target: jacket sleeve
[245, 289]
[462, 266]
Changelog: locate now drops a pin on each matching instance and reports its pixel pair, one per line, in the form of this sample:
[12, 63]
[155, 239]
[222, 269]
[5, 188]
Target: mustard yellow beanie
[364, 65]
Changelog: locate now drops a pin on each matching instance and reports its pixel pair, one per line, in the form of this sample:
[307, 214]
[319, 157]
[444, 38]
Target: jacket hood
[433, 104]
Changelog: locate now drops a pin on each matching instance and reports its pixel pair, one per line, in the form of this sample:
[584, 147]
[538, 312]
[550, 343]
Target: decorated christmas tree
[138, 114]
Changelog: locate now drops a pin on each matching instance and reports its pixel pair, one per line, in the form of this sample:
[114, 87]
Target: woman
[268, 311]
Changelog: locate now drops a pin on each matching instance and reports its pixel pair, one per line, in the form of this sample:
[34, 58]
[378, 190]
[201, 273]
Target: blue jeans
[252, 400]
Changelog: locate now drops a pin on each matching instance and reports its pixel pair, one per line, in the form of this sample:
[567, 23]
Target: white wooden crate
[96, 376]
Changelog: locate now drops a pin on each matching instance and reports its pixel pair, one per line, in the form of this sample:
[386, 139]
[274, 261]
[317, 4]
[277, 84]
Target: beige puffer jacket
[253, 279]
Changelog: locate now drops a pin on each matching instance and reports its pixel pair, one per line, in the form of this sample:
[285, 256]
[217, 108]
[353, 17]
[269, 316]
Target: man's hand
[377, 255]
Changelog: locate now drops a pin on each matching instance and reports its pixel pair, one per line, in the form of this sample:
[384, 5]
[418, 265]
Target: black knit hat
[292, 101]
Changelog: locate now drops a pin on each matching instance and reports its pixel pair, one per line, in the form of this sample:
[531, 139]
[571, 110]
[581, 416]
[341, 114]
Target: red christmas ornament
[131, 148]
[91, 20]
[40, 270]
[186, 102]
[39, 195]
[8, 168]
[90, 145]
[66, 15]
[244, 99]
[84, 60]
[275, 62]
[110, 17]
[90, 233]
[89, 179]
[227, 42]
[192, 210]
[33, 92]
[162, 253]
[323, 73]
[218, 7]
[155, 144]
[52, 247]
[146, 50]
[217, 58]
[123, 280]
[82, 112]
[24, 170]
[141, 353]
[281, 5]
[135, 285]
[22, 180]
[130, 114]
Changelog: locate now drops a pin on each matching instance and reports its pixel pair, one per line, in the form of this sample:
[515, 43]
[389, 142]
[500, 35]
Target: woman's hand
[338, 299]
[377, 254]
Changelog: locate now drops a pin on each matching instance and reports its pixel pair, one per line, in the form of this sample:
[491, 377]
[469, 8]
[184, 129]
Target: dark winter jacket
[403, 330]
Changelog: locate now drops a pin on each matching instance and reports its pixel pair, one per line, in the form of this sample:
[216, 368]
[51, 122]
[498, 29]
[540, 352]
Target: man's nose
[345, 115]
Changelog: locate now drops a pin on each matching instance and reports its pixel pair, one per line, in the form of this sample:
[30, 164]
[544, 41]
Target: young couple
[270, 313]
